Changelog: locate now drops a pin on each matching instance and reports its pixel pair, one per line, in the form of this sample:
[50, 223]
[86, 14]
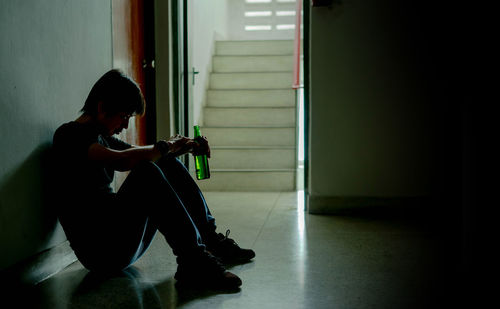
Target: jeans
[159, 196]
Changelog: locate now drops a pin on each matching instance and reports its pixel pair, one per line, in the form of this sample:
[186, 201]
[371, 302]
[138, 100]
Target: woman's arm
[125, 160]
[122, 160]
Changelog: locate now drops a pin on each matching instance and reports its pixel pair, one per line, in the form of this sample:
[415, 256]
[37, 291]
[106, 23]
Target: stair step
[250, 136]
[249, 180]
[267, 80]
[277, 63]
[275, 47]
[253, 158]
[249, 117]
[251, 98]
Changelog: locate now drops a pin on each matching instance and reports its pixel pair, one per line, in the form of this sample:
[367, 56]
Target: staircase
[250, 117]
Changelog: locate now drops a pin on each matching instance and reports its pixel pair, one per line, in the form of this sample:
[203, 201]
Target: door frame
[150, 71]
[305, 53]
[180, 82]
[180, 70]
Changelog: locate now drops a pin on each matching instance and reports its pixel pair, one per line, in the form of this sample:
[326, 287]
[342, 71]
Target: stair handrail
[296, 49]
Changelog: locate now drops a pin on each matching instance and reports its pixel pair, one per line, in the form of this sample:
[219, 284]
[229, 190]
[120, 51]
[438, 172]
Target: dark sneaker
[228, 251]
[205, 271]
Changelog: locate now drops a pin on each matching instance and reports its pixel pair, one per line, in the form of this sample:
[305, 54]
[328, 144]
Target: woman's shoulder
[74, 130]
[72, 125]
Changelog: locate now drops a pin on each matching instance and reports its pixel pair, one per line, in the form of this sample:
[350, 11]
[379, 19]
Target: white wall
[208, 24]
[372, 111]
[52, 52]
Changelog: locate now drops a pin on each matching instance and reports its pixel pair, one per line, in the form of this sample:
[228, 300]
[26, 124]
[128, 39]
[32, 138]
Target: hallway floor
[303, 261]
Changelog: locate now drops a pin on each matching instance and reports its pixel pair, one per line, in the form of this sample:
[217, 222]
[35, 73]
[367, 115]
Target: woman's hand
[179, 145]
[201, 147]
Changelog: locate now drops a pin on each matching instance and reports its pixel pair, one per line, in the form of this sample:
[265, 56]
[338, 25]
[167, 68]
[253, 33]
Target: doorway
[195, 62]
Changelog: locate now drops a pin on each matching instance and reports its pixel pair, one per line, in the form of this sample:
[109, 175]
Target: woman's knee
[146, 165]
[144, 175]
[173, 167]
[147, 169]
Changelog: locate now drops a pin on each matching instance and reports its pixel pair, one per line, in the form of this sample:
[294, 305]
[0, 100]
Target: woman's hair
[118, 93]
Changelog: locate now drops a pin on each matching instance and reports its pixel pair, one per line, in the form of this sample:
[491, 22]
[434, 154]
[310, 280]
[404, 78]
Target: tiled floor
[303, 261]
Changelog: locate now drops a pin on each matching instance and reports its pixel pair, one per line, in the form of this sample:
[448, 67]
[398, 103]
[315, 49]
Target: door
[133, 53]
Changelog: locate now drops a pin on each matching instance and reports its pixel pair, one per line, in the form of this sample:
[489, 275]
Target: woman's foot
[227, 250]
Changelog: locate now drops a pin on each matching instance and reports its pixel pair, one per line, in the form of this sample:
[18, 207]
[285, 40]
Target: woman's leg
[145, 241]
[148, 188]
[147, 191]
[190, 195]
[226, 249]
[115, 241]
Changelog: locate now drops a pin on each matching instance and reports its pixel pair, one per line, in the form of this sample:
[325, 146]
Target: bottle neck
[197, 131]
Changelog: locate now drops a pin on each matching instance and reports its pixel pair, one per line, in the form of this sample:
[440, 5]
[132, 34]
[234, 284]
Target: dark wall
[448, 49]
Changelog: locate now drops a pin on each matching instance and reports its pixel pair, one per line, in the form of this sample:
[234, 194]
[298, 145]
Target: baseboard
[335, 205]
[40, 266]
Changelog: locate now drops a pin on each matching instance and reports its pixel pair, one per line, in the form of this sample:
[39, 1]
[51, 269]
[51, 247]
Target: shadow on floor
[119, 290]
[81, 289]
[126, 289]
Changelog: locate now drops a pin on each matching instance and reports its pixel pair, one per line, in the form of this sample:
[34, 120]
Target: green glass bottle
[201, 162]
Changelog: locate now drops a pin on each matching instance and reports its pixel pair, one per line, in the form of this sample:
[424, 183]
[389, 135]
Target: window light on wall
[269, 1]
[285, 13]
[285, 27]
[258, 13]
[258, 28]
[258, 1]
